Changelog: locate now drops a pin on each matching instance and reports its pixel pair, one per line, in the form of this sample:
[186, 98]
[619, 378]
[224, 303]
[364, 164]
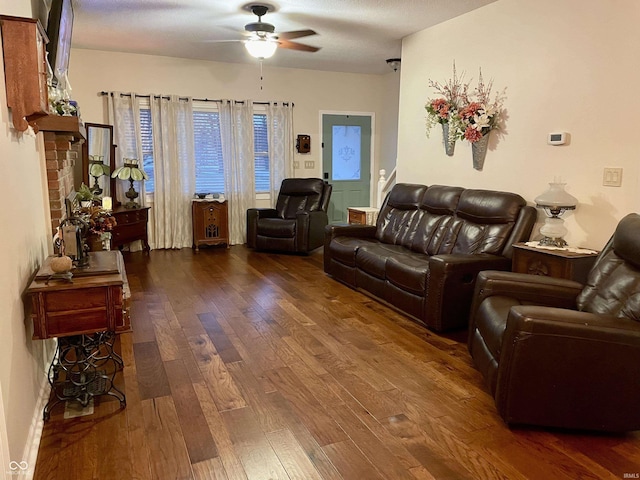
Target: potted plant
[85, 196]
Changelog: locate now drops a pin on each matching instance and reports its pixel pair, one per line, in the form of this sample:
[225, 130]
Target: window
[208, 149]
[261, 152]
[208, 152]
[146, 134]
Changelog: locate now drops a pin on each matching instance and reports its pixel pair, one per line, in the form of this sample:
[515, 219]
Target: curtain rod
[103, 93]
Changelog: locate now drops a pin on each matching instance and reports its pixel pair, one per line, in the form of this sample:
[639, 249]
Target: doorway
[346, 162]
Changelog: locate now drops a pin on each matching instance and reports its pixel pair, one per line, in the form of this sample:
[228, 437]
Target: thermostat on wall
[559, 138]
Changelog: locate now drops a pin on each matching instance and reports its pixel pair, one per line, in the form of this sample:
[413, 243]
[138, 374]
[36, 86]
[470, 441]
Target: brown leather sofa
[297, 223]
[558, 353]
[429, 243]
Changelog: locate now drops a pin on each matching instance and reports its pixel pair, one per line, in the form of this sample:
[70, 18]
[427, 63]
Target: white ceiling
[354, 35]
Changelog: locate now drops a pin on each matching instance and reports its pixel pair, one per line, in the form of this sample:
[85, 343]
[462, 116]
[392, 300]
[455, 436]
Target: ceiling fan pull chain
[261, 77]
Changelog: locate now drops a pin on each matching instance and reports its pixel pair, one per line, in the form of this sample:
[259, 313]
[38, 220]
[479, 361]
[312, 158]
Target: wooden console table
[84, 313]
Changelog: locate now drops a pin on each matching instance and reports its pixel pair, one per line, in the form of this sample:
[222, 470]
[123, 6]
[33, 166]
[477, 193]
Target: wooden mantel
[62, 125]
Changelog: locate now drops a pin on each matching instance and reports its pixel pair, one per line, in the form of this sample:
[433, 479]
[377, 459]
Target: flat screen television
[59, 28]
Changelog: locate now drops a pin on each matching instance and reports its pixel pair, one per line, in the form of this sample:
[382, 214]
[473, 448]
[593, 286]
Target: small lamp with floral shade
[97, 169]
[132, 172]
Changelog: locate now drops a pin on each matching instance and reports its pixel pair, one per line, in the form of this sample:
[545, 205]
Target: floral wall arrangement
[465, 115]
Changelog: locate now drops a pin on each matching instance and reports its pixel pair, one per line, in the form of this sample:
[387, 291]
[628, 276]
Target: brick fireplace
[62, 136]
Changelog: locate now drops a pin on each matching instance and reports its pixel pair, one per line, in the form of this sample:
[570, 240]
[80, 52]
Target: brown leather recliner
[297, 223]
[558, 353]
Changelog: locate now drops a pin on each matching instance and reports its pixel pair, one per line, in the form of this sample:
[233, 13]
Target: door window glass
[346, 158]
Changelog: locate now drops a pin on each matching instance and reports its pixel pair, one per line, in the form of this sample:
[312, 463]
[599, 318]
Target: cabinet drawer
[67, 300]
[79, 322]
[133, 216]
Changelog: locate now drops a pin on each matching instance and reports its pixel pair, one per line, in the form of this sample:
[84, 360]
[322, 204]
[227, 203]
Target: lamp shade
[556, 198]
[97, 168]
[261, 47]
[130, 171]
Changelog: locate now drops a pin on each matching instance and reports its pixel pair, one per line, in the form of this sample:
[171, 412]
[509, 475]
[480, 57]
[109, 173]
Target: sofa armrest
[253, 215]
[569, 369]
[450, 284]
[349, 230]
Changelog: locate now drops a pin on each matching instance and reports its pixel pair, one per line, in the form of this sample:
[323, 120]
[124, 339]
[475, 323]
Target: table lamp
[555, 201]
[132, 172]
[97, 169]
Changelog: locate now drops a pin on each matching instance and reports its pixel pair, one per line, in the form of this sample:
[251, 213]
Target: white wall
[311, 91]
[25, 242]
[568, 66]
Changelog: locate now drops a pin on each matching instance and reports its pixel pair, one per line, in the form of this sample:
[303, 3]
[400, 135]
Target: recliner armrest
[262, 212]
[310, 229]
[541, 290]
[555, 363]
[253, 215]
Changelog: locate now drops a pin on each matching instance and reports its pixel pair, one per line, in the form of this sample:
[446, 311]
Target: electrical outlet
[309, 164]
[296, 164]
[612, 177]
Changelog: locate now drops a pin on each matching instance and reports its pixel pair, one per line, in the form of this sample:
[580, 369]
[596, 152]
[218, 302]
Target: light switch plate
[296, 164]
[309, 164]
[612, 177]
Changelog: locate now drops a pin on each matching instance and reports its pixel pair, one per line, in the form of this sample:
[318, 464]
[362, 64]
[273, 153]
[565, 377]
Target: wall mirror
[98, 159]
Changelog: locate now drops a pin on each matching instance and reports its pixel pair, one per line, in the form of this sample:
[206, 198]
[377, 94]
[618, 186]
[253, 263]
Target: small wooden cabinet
[552, 263]
[131, 226]
[210, 223]
[25, 65]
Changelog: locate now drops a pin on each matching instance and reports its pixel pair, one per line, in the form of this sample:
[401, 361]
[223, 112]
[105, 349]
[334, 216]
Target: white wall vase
[479, 151]
[449, 144]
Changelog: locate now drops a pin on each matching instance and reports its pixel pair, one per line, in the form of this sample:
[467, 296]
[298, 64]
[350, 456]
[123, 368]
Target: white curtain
[173, 162]
[174, 171]
[281, 141]
[236, 131]
[124, 115]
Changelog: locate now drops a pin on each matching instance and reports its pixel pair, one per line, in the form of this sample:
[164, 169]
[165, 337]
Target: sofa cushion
[343, 249]
[398, 218]
[487, 219]
[372, 258]
[277, 227]
[409, 272]
[437, 208]
[299, 194]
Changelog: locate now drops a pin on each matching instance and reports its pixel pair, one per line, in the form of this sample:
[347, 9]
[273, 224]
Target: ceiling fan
[262, 40]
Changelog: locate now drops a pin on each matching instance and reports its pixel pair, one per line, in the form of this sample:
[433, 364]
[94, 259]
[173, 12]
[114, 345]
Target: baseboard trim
[35, 430]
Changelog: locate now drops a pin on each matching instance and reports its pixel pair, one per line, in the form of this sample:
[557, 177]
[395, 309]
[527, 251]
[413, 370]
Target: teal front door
[346, 162]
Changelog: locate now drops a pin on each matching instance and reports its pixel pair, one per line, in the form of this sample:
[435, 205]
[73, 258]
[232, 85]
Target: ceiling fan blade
[297, 46]
[295, 34]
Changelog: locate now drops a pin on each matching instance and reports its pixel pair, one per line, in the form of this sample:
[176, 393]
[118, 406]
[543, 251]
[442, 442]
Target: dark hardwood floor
[245, 365]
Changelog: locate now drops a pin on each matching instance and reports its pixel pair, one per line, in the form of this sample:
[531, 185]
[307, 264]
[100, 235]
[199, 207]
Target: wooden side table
[131, 226]
[363, 215]
[552, 263]
[210, 223]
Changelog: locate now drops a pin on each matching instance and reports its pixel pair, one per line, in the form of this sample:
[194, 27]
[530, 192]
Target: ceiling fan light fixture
[261, 47]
